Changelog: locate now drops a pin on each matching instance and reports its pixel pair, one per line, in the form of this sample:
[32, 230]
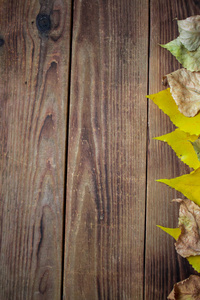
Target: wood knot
[43, 23]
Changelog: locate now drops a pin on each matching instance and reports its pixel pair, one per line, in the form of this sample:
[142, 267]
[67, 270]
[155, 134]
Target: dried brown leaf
[188, 289]
[188, 243]
[185, 90]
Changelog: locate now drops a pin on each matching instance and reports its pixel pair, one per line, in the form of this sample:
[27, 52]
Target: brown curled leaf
[188, 289]
[188, 243]
[185, 90]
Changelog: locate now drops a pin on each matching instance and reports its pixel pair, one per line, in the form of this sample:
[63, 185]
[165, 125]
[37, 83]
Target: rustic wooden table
[78, 199]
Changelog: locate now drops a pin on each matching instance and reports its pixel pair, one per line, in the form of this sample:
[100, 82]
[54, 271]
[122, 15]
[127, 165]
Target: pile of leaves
[181, 102]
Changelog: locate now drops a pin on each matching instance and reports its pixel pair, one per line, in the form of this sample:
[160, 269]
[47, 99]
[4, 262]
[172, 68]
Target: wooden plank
[105, 213]
[33, 106]
[163, 266]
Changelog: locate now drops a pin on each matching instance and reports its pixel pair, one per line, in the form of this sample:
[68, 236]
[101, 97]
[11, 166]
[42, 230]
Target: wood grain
[105, 213]
[108, 254]
[163, 266]
[34, 72]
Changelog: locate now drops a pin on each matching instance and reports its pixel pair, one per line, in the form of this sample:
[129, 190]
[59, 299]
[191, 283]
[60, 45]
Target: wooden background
[78, 199]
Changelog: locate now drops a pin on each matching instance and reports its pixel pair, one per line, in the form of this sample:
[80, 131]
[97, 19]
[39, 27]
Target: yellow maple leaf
[188, 185]
[195, 262]
[180, 142]
[167, 104]
[175, 232]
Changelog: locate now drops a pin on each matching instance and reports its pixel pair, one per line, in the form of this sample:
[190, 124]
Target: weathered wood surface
[105, 210]
[163, 267]
[111, 203]
[33, 112]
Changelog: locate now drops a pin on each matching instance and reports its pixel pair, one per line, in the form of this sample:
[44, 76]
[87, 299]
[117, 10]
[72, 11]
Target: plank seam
[147, 145]
[66, 150]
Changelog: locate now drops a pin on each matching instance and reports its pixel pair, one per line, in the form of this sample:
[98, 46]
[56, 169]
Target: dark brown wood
[163, 266]
[105, 213]
[108, 254]
[33, 109]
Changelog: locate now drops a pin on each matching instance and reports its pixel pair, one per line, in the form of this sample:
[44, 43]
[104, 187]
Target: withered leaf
[188, 243]
[186, 47]
[185, 90]
[189, 30]
[188, 289]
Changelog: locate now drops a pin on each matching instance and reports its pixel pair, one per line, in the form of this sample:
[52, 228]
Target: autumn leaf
[196, 146]
[180, 142]
[188, 242]
[186, 47]
[189, 59]
[188, 289]
[174, 232]
[185, 90]
[189, 30]
[167, 104]
[188, 185]
[194, 261]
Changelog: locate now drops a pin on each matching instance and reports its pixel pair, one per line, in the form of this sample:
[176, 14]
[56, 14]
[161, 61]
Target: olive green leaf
[189, 30]
[186, 47]
[189, 59]
[196, 146]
